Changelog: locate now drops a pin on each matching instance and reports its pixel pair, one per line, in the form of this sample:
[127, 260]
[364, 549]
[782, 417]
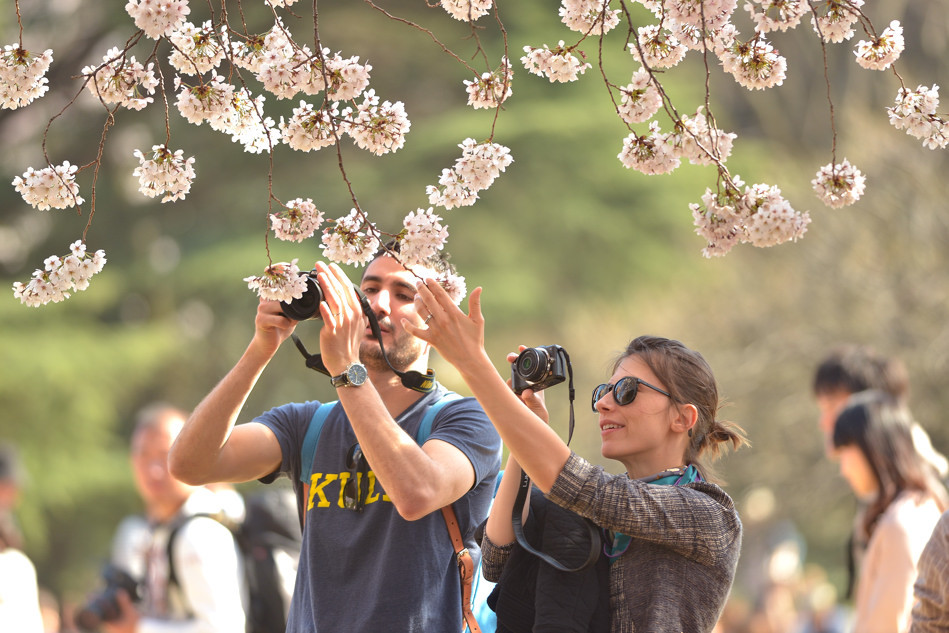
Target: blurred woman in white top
[904, 500]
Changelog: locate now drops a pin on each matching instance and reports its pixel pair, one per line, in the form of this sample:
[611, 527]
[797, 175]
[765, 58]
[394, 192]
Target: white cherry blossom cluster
[880, 53]
[466, 10]
[657, 47]
[351, 240]
[120, 79]
[22, 76]
[347, 77]
[839, 185]
[590, 17]
[915, 112]
[422, 237]
[558, 65]
[60, 276]
[755, 64]
[651, 154]
[49, 188]
[760, 216]
[835, 19]
[713, 13]
[196, 49]
[244, 120]
[158, 17]
[455, 286]
[378, 127]
[298, 221]
[776, 15]
[640, 98]
[491, 89]
[206, 101]
[310, 129]
[279, 282]
[480, 164]
[167, 173]
[700, 143]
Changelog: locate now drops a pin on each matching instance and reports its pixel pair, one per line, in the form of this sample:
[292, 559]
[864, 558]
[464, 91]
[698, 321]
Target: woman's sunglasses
[624, 390]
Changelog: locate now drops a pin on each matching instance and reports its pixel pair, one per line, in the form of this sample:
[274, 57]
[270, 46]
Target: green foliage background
[570, 247]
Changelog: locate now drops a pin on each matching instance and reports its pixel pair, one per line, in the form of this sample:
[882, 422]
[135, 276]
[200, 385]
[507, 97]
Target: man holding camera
[177, 570]
[376, 551]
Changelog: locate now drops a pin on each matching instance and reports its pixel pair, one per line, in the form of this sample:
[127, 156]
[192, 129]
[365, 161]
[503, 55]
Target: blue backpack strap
[312, 437]
[425, 428]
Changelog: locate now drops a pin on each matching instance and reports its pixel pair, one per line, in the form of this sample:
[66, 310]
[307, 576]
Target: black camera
[307, 306]
[537, 368]
[104, 607]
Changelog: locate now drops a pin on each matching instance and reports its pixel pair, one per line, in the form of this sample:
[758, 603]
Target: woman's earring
[690, 432]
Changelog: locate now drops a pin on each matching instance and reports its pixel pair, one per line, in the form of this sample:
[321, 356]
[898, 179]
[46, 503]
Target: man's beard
[404, 350]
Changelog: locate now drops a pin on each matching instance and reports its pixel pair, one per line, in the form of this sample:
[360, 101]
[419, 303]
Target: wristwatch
[354, 376]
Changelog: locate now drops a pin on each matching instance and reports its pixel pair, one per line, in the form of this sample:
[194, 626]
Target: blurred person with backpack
[177, 569]
[388, 513]
[903, 500]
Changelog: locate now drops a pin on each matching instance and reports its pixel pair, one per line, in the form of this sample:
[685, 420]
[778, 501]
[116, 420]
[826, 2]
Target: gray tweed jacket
[678, 569]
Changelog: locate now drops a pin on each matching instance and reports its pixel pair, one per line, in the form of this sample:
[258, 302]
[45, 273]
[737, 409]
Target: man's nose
[380, 302]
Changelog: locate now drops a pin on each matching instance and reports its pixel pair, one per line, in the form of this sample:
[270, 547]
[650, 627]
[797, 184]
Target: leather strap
[465, 568]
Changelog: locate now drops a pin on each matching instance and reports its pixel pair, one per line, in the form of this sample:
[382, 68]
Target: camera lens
[532, 363]
[307, 306]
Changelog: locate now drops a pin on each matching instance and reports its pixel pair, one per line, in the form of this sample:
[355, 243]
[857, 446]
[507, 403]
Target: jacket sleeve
[696, 520]
[931, 609]
[493, 558]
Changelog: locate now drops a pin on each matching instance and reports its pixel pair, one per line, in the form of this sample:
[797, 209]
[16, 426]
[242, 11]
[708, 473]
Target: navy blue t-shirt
[374, 571]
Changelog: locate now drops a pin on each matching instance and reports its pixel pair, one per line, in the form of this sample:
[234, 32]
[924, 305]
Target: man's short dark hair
[856, 368]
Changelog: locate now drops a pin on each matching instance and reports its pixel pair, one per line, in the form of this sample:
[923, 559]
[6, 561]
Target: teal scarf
[616, 542]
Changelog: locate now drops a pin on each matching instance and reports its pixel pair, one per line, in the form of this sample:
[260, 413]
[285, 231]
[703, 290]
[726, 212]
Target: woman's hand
[458, 337]
[533, 399]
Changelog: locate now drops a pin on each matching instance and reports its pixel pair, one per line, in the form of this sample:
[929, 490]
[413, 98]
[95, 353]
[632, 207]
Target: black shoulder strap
[516, 523]
[170, 555]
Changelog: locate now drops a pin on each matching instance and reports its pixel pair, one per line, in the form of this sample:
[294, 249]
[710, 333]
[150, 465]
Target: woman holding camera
[873, 441]
[672, 538]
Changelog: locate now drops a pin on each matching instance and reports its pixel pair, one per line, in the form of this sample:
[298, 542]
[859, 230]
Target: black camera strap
[593, 533]
[413, 380]
[523, 492]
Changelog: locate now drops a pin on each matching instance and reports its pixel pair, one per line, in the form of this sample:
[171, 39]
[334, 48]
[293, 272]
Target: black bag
[270, 526]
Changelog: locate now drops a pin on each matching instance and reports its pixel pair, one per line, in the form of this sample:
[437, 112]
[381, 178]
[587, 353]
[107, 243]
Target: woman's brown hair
[689, 379]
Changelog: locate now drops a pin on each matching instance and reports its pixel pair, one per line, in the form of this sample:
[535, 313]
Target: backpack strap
[170, 554]
[425, 428]
[308, 451]
[466, 566]
[312, 437]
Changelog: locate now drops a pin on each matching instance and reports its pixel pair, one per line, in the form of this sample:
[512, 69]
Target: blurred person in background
[931, 591]
[19, 591]
[903, 500]
[673, 538]
[850, 369]
[205, 594]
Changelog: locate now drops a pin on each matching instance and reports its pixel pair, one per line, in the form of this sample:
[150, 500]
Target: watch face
[357, 374]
